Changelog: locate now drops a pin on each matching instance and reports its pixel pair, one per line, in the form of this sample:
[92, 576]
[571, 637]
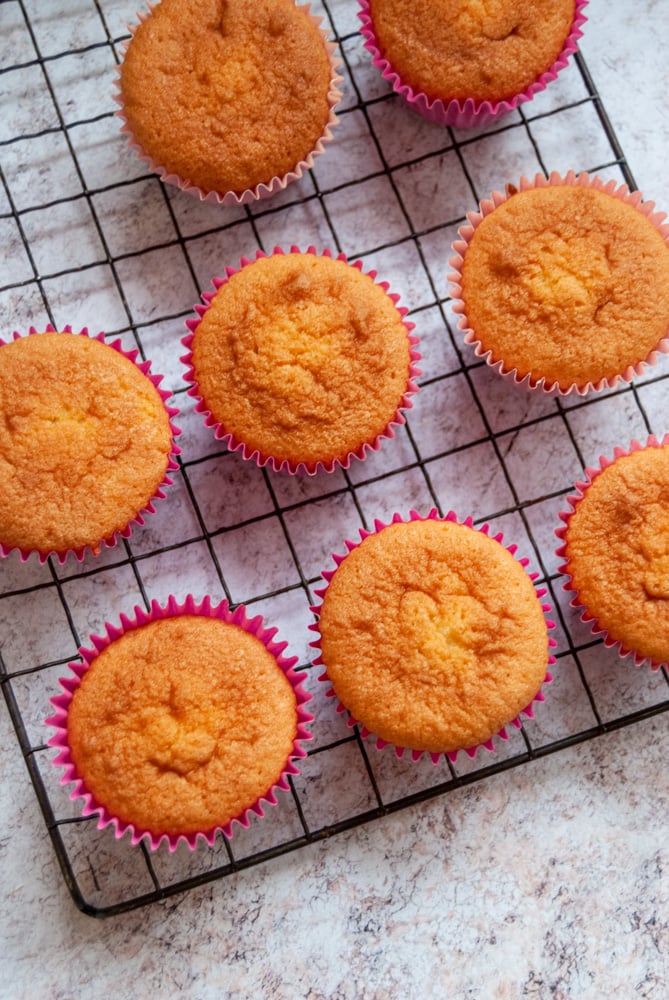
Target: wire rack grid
[90, 239]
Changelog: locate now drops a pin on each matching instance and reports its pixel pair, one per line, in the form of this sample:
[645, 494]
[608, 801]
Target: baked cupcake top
[302, 358]
[182, 724]
[566, 283]
[87, 445]
[432, 635]
[227, 94]
[617, 551]
[455, 49]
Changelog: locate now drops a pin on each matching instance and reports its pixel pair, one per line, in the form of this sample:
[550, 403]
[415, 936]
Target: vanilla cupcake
[615, 546]
[89, 443]
[464, 64]
[563, 284]
[432, 635]
[180, 722]
[301, 360]
[227, 99]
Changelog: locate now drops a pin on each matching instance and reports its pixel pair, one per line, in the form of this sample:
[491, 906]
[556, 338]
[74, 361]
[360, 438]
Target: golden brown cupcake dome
[467, 109]
[313, 464]
[113, 523]
[614, 543]
[264, 644]
[252, 188]
[642, 338]
[542, 608]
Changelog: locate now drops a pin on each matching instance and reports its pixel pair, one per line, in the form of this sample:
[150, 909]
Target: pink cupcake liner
[452, 755]
[140, 617]
[263, 189]
[172, 465]
[587, 618]
[471, 112]
[285, 465]
[459, 247]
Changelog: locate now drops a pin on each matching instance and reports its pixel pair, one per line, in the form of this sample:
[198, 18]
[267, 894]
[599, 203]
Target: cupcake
[464, 64]
[563, 284]
[180, 722]
[88, 447]
[228, 100]
[432, 635]
[615, 546]
[301, 360]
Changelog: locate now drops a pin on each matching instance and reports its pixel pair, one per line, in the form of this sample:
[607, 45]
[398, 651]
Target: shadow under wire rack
[90, 239]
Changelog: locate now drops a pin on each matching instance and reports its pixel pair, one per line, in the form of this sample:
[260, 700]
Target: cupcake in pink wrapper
[615, 546]
[562, 284]
[432, 635]
[457, 64]
[301, 360]
[180, 722]
[228, 101]
[90, 446]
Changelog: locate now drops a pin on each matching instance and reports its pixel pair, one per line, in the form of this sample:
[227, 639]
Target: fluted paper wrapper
[587, 615]
[234, 443]
[452, 755]
[259, 191]
[140, 617]
[111, 540]
[470, 112]
[459, 247]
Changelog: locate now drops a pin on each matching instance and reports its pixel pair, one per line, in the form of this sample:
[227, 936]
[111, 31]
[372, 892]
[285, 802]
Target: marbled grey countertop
[548, 880]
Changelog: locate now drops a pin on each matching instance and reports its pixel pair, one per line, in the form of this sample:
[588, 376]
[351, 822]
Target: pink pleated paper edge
[285, 465]
[459, 247]
[138, 519]
[581, 487]
[469, 113]
[140, 617]
[432, 515]
[261, 190]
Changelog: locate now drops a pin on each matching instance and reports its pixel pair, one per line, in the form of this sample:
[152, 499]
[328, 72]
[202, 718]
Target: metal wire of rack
[90, 238]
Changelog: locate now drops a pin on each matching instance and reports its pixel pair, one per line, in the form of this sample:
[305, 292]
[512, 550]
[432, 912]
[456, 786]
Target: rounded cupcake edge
[263, 189]
[139, 617]
[285, 465]
[546, 608]
[529, 382]
[587, 617]
[471, 112]
[110, 541]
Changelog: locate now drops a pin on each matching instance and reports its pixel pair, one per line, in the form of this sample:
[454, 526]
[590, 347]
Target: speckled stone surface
[546, 881]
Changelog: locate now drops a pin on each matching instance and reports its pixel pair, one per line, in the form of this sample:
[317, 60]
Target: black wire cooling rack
[90, 239]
